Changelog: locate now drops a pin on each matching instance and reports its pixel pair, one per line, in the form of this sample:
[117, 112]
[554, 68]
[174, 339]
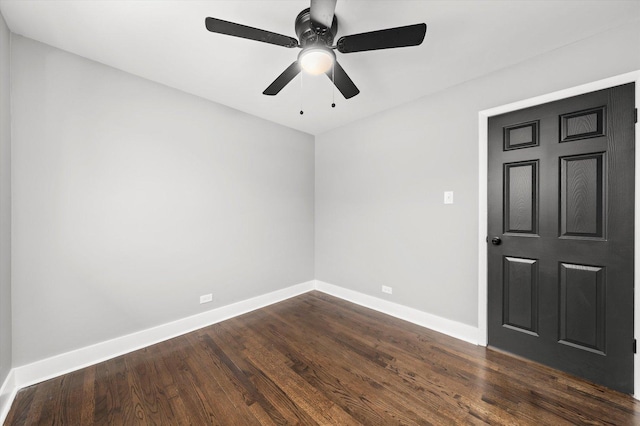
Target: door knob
[496, 241]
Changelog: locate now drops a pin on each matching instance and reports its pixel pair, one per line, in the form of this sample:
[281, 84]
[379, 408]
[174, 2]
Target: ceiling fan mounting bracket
[310, 34]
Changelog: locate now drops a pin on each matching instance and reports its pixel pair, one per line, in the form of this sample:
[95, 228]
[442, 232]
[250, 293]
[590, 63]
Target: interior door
[561, 226]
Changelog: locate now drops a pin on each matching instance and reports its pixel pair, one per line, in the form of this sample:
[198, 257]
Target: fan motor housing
[308, 35]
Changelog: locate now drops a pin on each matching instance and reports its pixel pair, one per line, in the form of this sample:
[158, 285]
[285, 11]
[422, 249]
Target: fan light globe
[316, 60]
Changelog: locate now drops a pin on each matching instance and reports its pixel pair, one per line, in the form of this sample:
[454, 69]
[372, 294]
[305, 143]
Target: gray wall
[380, 217]
[132, 199]
[5, 204]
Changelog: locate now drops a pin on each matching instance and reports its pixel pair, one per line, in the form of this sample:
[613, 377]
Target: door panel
[582, 196]
[521, 199]
[582, 124]
[561, 199]
[521, 294]
[522, 135]
[582, 307]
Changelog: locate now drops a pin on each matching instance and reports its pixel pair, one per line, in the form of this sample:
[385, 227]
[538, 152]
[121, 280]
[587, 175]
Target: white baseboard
[449, 327]
[461, 331]
[30, 374]
[8, 392]
[27, 375]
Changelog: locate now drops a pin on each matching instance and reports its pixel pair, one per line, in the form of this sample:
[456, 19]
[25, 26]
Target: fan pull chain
[301, 94]
[333, 89]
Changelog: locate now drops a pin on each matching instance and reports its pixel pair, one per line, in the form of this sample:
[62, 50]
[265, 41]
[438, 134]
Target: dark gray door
[561, 223]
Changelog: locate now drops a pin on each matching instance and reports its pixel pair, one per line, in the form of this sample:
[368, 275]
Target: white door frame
[483, 120]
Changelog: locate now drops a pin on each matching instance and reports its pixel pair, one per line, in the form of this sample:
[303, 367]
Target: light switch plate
[448, 197]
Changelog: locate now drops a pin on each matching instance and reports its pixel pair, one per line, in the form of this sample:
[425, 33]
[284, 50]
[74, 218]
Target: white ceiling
[166, 41]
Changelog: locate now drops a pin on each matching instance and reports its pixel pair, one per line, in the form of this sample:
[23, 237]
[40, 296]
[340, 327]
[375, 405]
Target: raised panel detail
[521, 197]
[582, 196]
[582, 307]
[521, 135]
[520, 294]
[582, 124]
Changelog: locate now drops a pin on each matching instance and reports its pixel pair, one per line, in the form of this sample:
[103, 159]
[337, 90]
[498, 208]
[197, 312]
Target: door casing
[483, 119]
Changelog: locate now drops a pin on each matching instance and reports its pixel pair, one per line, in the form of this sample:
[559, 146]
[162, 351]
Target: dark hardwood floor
[315, 359]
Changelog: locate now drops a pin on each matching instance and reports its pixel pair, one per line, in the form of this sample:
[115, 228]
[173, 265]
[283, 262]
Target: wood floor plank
[72, 397]
[312, 401]
[235, 393]
[315, 359]
[21, 408]
[202, 400]
[400, 385]
[263, 391]
[107, 405]
[176, 380]
[458, 368]
[153, 402]
[337, 366]
[453, 383]
[260, 349]
[87, 408]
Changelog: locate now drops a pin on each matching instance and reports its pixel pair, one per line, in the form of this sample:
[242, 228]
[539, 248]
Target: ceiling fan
[316, 28]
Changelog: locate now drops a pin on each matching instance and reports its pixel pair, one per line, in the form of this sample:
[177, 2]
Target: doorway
[524, 170]
[560, 224]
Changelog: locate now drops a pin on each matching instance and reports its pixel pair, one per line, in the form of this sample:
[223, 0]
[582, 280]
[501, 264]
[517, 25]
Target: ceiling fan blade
[236, 30]
[411, 35]
[342, 81]
[322, 12]
[283, 79]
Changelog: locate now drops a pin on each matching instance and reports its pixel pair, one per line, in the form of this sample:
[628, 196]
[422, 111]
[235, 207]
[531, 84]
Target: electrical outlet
[206, 298]
[386, 289]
